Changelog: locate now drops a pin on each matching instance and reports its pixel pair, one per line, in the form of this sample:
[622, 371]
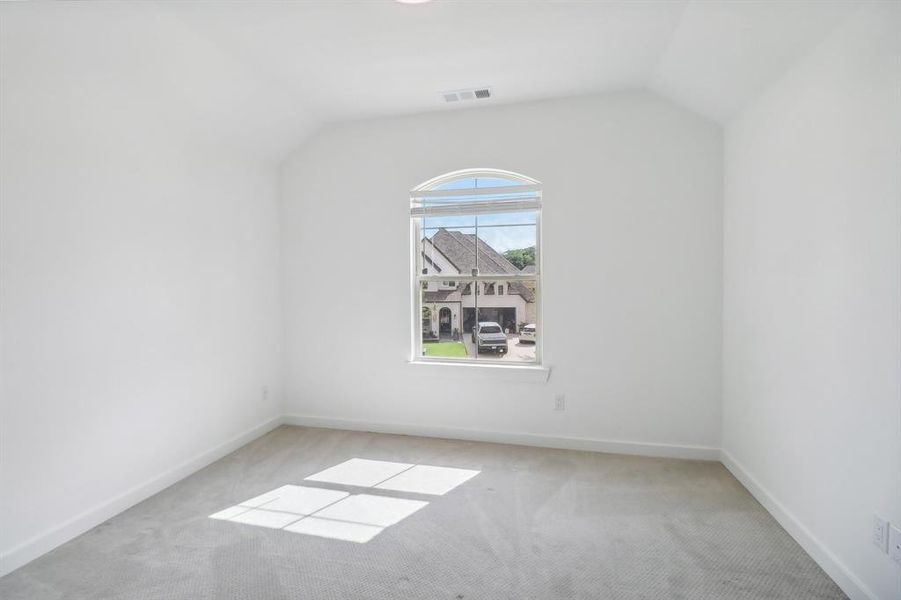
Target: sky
[507, 231]
[502, 231]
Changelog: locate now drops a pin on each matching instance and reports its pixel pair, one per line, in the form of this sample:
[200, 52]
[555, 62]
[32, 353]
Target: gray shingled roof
[460, 250]
[530, 269]
[438, 296]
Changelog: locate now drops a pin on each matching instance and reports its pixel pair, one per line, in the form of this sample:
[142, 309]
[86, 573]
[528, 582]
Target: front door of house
[444, 321]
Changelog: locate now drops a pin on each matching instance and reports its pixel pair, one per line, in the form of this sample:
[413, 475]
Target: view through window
[476, 244]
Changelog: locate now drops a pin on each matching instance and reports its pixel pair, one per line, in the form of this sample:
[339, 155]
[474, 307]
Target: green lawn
[450, 349]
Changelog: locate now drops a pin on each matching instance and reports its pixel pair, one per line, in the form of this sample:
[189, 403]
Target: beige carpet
[533, 524]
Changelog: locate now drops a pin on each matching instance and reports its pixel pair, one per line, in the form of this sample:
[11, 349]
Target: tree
[521, 257]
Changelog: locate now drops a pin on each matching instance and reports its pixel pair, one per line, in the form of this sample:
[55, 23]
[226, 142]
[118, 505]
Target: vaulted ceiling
[264, 74]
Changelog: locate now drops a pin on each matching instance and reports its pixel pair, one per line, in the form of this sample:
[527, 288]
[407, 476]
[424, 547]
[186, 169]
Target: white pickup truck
[489, 337]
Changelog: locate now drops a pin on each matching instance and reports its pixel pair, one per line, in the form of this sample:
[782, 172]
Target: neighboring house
[531, 312]
[450, 305]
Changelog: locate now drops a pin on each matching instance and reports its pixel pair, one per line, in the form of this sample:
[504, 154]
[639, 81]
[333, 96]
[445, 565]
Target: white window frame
[497, 202]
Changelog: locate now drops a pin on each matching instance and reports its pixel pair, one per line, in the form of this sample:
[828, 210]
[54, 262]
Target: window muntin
[482, 228]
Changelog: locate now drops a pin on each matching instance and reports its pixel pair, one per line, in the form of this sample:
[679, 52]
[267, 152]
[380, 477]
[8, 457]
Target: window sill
[496, 372]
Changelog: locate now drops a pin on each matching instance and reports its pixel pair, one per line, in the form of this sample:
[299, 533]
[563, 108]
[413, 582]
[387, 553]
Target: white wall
[632, 257]
[812, 339]
[140, 293]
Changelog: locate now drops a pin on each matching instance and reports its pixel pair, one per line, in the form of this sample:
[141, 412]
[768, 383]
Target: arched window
[478, 229]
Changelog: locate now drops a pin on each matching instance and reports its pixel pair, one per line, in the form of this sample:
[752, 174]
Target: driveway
[516, 351]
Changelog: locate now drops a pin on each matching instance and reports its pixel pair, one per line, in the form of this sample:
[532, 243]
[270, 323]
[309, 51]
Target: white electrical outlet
[264, 393]
[560, 402]
[880, 533]
[894, 543]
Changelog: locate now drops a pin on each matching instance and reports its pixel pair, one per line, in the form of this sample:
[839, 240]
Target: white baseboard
[509, 437]
[50, 539]
[840, 574]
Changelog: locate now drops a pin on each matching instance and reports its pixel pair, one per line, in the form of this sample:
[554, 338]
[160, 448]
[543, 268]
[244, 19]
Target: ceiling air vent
[465, 95]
